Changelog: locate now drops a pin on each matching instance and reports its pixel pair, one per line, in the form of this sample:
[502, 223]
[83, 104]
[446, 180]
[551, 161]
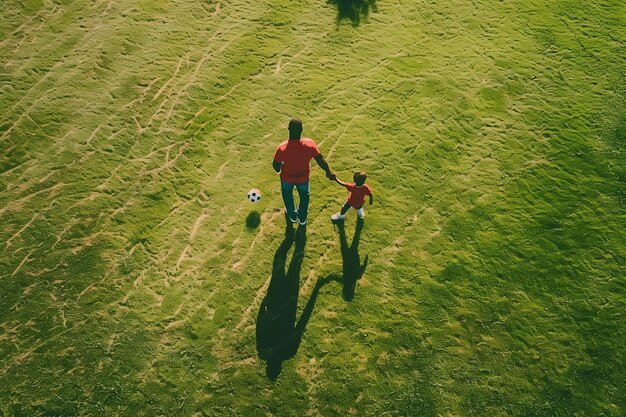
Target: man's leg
[303, 207]
[286, 190]
[345, 208]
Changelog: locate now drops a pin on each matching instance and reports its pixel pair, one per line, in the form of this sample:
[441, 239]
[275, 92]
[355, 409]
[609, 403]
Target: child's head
[359, 178]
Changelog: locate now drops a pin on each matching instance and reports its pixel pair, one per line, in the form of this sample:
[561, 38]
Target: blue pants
[286, 189]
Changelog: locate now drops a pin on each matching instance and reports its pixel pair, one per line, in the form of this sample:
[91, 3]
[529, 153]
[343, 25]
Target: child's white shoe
[337, 216]
[361, 213]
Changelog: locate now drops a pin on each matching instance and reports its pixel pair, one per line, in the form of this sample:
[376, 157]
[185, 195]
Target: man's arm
[371, 199]
[324, 165]
[277, 165]
[339, 181]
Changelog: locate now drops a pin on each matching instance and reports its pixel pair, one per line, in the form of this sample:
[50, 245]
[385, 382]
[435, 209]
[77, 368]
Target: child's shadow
[278, 336]
[353, 270]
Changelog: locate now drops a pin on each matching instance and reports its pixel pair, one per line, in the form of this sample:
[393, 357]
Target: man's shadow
[278, 335]
[353, 270]
[353, 10]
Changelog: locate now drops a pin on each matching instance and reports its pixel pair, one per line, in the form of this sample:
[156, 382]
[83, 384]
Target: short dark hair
[359, 178]
[295, 128]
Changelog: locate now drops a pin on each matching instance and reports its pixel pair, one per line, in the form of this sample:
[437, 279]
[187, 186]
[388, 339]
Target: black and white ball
[254, 195]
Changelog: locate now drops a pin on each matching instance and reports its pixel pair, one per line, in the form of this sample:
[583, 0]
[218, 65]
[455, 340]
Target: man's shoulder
[282, 145]
[308, 142]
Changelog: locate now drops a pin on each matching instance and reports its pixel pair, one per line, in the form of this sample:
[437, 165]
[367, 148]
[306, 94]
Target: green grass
[133, 269]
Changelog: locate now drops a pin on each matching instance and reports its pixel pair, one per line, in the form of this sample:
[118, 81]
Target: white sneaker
[361, 213]
[294, 221]
[338, 216]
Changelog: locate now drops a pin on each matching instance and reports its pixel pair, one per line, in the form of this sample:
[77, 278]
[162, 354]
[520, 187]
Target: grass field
[488, 278]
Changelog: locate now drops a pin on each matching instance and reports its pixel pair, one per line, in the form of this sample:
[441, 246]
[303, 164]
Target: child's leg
[342, 213]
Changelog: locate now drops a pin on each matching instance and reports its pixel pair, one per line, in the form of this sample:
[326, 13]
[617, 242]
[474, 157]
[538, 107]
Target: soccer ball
[254, 195]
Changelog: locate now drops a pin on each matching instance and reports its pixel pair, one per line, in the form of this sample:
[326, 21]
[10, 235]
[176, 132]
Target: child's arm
[343, 184]
[371, 199]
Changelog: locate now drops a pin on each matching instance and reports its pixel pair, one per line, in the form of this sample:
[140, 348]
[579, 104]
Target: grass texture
[488, 278]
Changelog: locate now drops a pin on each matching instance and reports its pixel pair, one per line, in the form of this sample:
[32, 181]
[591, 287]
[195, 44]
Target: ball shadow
[253, 220]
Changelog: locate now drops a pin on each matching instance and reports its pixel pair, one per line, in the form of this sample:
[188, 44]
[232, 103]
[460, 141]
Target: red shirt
[295, 156]
[356, 198]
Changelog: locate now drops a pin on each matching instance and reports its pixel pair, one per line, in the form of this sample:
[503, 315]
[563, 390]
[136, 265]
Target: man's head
[295, 129]
[359, 178]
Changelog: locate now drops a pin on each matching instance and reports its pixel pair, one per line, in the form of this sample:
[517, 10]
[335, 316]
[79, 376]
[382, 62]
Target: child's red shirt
[356, 198]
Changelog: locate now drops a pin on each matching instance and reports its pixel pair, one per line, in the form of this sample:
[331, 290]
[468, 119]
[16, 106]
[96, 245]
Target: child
[356, 198]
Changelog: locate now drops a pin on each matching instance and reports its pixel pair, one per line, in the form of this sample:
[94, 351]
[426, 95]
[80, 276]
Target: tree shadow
[353, 270]
[353, 10]
[278, 335]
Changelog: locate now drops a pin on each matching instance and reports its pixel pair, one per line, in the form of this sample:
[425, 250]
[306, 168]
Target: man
[291, 160]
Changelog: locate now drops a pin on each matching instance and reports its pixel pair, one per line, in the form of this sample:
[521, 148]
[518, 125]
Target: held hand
[331, 175]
